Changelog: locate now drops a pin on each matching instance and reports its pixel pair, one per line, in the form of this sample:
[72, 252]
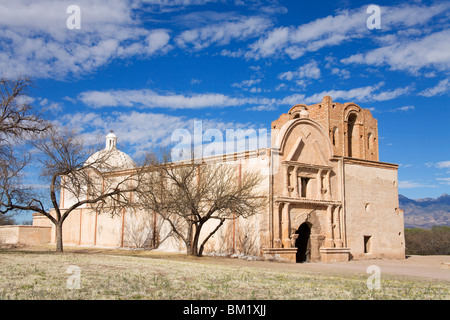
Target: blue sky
[147, 68]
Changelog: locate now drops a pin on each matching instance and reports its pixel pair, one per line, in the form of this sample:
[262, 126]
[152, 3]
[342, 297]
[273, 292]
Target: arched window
[351, 126]
[335, 136]
[369, 141]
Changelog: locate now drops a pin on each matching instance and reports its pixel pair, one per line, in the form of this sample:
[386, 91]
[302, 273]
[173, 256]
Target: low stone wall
[25, 235]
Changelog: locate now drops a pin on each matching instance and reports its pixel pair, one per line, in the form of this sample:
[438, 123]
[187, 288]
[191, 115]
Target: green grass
[42, 275]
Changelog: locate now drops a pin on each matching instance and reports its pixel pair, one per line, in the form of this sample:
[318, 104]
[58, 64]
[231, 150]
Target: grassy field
[136, 275]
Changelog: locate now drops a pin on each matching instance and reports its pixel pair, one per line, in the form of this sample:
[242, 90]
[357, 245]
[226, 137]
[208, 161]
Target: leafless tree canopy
[18, 119]
[62, 156]
[186, 196]
[17, 116]
[189, 195]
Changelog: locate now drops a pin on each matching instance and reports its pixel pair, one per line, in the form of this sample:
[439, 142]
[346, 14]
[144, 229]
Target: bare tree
[190, 194]
[145, 230]
[247, 238]
[6, 220]
[62, 156]
[17, 115]
[18, 119]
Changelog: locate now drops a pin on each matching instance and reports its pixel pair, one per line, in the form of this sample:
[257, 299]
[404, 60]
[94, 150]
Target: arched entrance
[303, 243]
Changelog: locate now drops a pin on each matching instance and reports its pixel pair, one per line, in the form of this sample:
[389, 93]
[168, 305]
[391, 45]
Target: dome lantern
[110, 158]
[111, 141]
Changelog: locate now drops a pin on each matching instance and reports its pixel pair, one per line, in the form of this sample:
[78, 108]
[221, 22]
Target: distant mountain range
[427, 212]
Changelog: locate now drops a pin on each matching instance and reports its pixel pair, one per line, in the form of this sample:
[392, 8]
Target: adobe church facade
[329, 197]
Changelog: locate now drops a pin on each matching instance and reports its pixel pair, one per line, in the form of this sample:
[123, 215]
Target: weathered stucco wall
[374, 222]
[132, 228]
[26, 235]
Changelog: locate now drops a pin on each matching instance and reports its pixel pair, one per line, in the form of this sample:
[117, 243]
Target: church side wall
[244, 235]
[374, 223]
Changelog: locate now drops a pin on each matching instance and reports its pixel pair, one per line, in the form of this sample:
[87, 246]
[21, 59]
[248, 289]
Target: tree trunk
[202, 246]
[194, 246]
[59, 239]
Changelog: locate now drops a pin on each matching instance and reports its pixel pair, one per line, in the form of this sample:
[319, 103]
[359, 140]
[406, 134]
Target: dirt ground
[427, 267]
[417, 267]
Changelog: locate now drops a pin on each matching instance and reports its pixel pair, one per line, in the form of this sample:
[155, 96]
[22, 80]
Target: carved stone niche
[306, 181]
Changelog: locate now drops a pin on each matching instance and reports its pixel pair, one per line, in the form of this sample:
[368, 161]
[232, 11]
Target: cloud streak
[35, 40]
[146, 98]
[441, 88]
[431, 51]
[133, 129]
[150, 99]
[223, 33]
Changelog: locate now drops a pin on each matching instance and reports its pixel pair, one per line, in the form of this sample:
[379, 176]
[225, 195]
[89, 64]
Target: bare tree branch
[62, 156]
[187, 195]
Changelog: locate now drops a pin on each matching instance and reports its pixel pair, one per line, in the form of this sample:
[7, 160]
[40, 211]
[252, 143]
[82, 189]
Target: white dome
[110, 158]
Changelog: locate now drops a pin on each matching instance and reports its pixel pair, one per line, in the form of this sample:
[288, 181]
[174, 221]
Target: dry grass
[121, 274]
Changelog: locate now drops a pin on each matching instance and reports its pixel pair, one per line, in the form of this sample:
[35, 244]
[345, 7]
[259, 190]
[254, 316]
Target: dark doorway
[303, 243]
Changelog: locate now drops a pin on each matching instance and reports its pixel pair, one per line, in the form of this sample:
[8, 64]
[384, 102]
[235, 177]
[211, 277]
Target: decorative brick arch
[294, 112]
[353, 120]
[290, 125]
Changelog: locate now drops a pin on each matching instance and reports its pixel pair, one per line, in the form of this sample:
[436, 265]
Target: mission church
[329, 197]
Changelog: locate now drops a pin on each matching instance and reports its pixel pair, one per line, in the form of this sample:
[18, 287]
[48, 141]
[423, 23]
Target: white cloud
[302, 74]
[173, 5]
[368, 93]
[444, 180]
[390, 94]
[409, 184]
[439, 165]
[275, 41]
[156, 40]
[410, 15]
[51, 106]
[431, 51]
[150, 99]
[146, 98]
[294, 99]
[405, 108]
[35, 40]
[262, 108]
[131, 128]
[134, 132]
[246, 83]
[222, 33]
[399, 109]
[347, 25]
[112, 29]
[342, 73]
[442, 87]
[443, 164]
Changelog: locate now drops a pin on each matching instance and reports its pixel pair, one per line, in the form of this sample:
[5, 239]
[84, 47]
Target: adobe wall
[372, 210]
[242, 235]
[26, 235]
[84, 227]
